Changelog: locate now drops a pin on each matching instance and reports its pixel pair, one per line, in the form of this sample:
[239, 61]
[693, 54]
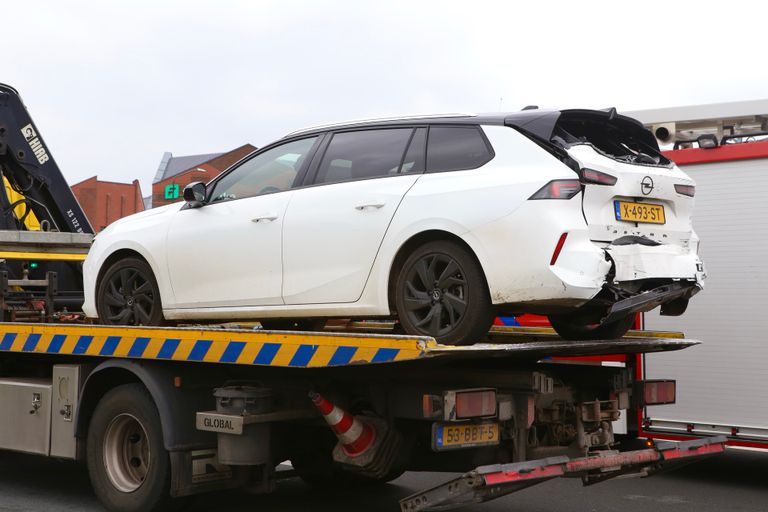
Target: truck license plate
[639, 212]
[447, 436]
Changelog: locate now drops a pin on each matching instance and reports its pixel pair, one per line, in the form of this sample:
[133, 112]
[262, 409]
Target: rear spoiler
[557, 130]
[542, 123]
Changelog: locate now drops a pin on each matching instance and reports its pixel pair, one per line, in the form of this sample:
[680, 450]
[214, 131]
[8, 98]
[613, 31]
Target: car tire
[441, 292]
[128, 295]
[576, 328]
[128, 465]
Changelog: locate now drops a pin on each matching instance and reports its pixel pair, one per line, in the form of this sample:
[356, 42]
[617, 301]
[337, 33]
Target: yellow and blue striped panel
[290, 350]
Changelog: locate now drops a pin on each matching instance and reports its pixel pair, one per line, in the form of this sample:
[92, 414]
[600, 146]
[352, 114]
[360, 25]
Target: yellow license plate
[446, 435]
[639, 212]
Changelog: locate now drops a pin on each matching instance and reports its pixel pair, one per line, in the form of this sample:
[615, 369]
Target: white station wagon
[442, 222]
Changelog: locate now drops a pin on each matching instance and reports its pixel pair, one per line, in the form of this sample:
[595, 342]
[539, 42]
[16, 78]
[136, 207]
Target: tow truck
[160, 413]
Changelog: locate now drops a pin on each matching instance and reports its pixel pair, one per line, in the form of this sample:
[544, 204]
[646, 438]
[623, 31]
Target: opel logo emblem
[436, 294]
[646, 186]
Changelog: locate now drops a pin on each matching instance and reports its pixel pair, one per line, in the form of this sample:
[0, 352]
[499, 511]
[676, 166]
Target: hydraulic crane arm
[27, 164]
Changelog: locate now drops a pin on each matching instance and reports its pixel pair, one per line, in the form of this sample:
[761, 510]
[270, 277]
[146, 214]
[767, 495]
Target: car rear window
[363, 154]
[456, 148]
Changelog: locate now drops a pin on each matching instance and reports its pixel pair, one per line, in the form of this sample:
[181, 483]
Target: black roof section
[539, 123]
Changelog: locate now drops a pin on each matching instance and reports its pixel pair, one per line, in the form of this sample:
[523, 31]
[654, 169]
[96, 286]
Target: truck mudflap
[490, 482]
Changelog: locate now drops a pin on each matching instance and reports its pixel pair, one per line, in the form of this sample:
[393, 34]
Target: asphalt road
[734, 482]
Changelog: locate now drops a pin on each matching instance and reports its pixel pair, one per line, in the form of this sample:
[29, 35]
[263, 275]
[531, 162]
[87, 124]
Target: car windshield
[272, 171]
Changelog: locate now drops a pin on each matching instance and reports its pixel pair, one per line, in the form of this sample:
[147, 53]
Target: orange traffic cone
[355, 436]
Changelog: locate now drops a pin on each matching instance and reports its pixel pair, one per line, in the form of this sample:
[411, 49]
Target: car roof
[539, 123]
[498, 118]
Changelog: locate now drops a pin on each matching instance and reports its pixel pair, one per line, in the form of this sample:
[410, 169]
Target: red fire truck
[724, 148]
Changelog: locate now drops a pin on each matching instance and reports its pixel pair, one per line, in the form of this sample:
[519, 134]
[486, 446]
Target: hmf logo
[34, 142]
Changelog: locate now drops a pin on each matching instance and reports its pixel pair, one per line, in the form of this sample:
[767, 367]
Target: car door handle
[370, 206]
[267, 217]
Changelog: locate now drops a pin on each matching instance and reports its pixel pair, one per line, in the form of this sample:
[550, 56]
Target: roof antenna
[612, 113]
[531, 107]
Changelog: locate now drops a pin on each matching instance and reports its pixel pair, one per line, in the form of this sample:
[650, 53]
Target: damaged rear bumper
[636, 261]
[650, 299]
[647, 274]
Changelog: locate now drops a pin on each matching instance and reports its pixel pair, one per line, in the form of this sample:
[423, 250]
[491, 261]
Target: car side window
[272, 171]
[456, 148]
[363, 154]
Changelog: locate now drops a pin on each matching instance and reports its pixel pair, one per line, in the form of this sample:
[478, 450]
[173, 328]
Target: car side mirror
[194, 194]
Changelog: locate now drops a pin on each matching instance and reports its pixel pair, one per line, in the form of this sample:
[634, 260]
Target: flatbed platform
[293, 349]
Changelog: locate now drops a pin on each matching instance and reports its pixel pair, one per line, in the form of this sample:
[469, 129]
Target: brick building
[176, 172]
[106, 201]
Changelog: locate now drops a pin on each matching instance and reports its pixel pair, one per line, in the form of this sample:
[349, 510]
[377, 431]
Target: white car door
[227, 253]
[333, 229]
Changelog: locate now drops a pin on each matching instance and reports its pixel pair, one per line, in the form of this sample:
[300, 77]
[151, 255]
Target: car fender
[143, 234]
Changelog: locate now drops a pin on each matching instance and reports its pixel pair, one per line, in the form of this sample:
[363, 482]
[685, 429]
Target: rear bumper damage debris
[650, 299]
[490, 482]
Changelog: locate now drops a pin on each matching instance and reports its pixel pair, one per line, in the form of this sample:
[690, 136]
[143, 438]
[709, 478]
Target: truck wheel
[574, 328]
[128, 465]
[128, 295]
[441, 292]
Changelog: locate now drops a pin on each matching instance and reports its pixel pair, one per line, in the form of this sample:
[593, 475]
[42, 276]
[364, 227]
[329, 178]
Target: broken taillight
[558, 189]
[686, 190]
[592, 177]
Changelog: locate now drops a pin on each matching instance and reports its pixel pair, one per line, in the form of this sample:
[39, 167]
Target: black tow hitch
[646, 301]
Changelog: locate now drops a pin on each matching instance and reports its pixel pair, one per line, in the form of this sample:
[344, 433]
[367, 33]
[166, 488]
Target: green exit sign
[172, 191]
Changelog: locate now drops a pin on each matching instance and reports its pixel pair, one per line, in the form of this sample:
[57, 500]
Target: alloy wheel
[435, 294]
[129, 298]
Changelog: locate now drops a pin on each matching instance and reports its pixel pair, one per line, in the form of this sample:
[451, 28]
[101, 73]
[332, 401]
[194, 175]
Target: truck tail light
[657, 392]
[592, 177]
[460, 404]
[464, 404]
[475, 404]
[558, 248]
[558, 189]
[686, 190]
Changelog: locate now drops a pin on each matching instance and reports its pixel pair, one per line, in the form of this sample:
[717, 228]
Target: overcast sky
[112, 86]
